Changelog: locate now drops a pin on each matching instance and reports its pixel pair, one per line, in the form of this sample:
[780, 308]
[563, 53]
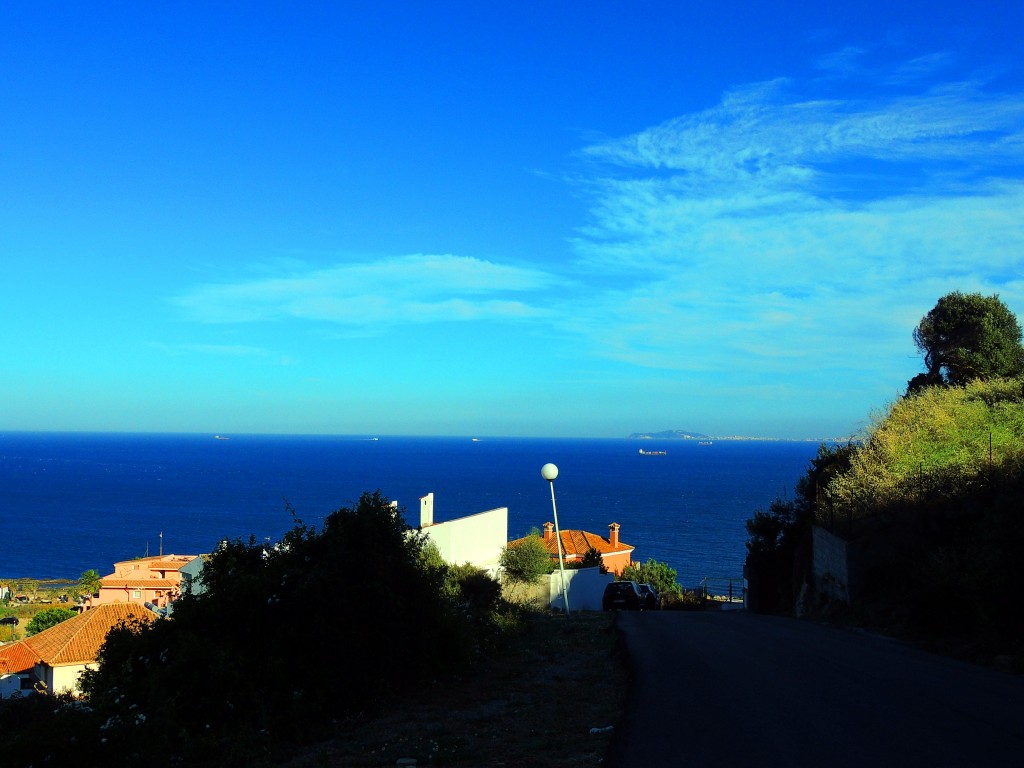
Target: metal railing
[725, 589]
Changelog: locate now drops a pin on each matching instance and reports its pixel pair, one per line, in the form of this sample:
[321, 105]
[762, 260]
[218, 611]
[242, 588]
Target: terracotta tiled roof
[16, 658]
[577, 543]
[141, 581]
[78, 640]
[159, 560]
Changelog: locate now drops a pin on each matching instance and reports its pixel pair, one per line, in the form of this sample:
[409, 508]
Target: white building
[477, 539]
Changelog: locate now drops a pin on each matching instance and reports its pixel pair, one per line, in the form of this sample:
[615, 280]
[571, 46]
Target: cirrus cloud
[802, 236]
[409, 289]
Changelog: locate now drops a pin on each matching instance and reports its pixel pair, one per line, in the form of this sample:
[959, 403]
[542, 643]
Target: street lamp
[549, 472]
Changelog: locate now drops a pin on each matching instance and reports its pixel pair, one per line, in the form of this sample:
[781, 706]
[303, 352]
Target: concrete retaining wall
[584, 588]
[837, 566]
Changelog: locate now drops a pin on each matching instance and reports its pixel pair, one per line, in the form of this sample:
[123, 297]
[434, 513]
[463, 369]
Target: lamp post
[549, 472]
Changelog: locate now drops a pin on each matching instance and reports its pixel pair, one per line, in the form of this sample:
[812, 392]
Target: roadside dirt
[552, 698]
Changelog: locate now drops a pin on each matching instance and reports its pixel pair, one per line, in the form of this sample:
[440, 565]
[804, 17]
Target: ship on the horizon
[653, 453]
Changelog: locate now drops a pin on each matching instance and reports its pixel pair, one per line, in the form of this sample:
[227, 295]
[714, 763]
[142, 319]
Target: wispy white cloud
[803, 234]
[409, 289]
[765, 136]
[845, 62]
[864, 63]
[920, 68]
[776, 238]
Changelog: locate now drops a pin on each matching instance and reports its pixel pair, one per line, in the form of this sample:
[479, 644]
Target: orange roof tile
[158, 560]
[141, 581]
[577, 543]
[78, 640]
[16, 658]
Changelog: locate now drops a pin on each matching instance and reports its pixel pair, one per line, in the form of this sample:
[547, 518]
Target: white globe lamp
[549, 472]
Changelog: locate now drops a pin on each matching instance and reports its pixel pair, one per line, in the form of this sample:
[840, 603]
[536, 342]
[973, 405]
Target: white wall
[477, 539]
[584, 586]
[9, 685]
[63, 678]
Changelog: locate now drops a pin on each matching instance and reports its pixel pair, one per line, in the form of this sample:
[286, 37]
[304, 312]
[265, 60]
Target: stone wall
[836, 566]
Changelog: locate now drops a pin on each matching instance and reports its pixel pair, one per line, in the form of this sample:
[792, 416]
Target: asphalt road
[736, 689]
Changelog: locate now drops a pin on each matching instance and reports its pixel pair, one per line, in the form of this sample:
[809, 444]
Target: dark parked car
[12, 620]
[622, 596]
[651, 598]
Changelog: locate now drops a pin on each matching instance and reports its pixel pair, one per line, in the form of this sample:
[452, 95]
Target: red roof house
[155, 580]
[53, 659]
[615, 555]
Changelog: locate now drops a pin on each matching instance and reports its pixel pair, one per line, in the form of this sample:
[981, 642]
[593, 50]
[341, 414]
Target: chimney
[613, 535]
[549, 531]
[427, 510]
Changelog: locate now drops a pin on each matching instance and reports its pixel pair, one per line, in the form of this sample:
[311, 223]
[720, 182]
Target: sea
[70, 502]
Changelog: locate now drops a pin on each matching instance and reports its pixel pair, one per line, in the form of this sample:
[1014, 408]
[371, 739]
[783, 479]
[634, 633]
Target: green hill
[946, 441]
[930, 507]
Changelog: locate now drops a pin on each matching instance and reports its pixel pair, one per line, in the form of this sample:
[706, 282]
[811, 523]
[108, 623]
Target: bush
[477, 592]
[285, 640]
[49, 617]
[684, 600]
[525, 561]
[940, 443]
[658, 575]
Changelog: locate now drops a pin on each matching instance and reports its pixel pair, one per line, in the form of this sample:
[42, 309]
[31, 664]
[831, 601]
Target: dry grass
[531, 705]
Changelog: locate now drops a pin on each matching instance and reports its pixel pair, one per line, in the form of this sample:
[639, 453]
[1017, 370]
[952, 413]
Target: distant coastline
[682, 434]
[669, 434]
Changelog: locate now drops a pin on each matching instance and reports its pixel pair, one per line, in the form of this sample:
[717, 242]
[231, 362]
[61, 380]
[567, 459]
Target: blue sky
[546, 219]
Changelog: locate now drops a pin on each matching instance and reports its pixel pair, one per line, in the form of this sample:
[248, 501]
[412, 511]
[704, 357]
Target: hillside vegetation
[285, 645]
[940, 443]
[929, 501]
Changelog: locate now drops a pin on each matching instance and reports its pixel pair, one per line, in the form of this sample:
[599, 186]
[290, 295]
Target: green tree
[659, 575]
[89, 582]
[965, 337]
[778, 546]
[47, 618]
[766, 527]
[592, 559]
[523, 562]
[321, 626]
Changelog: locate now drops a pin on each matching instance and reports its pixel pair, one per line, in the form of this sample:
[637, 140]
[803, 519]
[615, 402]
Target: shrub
[525, 561]
[285, 639]
[939, 443]
[49, 617]
[659, 575]
[683, 600]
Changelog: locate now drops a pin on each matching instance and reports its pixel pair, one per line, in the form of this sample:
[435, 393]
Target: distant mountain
[669, 434]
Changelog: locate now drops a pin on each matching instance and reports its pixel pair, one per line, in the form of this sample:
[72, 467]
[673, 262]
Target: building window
[136, 594]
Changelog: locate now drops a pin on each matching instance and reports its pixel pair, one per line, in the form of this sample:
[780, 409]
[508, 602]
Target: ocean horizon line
[370, 436]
